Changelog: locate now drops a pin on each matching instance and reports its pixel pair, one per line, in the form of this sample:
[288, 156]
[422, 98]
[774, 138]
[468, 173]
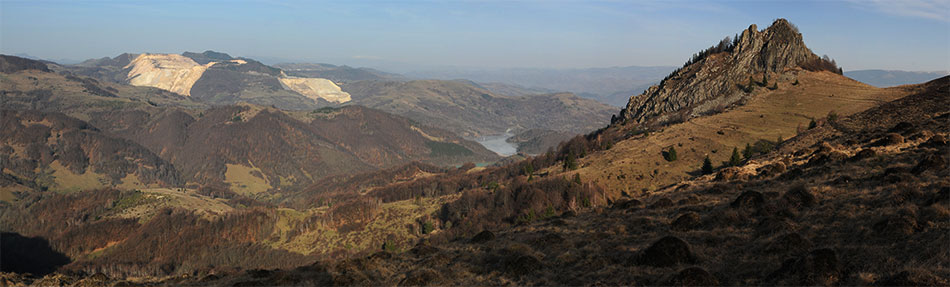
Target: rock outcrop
[716, 80]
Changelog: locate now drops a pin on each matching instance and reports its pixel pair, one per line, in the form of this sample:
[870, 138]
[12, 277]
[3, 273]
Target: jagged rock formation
[717, 80]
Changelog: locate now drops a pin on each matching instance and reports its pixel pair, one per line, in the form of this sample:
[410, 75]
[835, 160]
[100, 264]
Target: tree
[747, 152]
[765, 80]
[812, 124]
[707, 166]
[735, 159]
[577, 178]
[779, 140]
[570, 163]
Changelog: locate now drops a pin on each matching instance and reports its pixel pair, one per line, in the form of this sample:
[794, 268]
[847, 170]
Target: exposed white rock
[171, 72]
[316, 88]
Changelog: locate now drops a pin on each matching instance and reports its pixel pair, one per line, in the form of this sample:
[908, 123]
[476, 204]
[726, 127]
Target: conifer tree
[747, 152]
[707, 166]
[735, 159]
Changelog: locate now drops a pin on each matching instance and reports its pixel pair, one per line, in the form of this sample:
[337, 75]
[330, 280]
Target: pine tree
[736, 159]
[707, 166]
[577, 178]
[765, 80]
[812, 124]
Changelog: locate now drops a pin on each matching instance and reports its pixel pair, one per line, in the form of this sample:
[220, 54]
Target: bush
[832, 117]
[670, 155]
[812, 124]
[427, 227]
[389, 246]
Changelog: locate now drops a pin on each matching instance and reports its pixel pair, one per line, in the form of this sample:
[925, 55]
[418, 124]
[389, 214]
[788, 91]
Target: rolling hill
[599, 84]
[470, 111]
[255, 148]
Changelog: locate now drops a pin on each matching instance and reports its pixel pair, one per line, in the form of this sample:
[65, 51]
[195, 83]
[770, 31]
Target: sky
[911, 35]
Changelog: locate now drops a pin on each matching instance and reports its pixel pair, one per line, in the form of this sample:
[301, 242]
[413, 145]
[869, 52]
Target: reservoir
[498, 144]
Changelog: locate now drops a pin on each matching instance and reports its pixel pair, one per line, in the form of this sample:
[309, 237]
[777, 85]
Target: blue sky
[859, 34]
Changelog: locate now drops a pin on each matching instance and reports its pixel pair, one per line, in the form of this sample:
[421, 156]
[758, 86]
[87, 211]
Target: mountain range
[890, 78]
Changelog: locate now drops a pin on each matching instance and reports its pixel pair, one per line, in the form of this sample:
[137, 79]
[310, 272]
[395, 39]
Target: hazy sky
[860, 34]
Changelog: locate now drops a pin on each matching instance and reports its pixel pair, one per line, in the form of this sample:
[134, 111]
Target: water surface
[498, 144]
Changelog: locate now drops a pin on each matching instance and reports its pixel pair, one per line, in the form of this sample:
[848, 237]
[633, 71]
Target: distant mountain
[472, 111]
[253, 148]
[214, 78]
[886, 78]
[593, 83]
[58, 61]
[339, 74]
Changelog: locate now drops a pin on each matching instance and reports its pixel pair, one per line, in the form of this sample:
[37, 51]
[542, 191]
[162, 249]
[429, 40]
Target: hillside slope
[51, 151]
[845, 193]
[472, 111]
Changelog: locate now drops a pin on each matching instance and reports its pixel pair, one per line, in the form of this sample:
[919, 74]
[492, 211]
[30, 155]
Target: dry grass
[633, 166]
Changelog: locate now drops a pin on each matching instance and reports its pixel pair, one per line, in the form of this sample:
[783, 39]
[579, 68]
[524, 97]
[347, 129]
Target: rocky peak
[714, 78]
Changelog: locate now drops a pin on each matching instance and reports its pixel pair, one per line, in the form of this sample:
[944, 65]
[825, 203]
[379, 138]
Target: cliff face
[717, 79]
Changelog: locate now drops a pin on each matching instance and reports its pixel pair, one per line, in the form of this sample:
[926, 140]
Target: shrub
[670, 155]
[427, 227]
[812, 124]
[832, 117]
[389, 246]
